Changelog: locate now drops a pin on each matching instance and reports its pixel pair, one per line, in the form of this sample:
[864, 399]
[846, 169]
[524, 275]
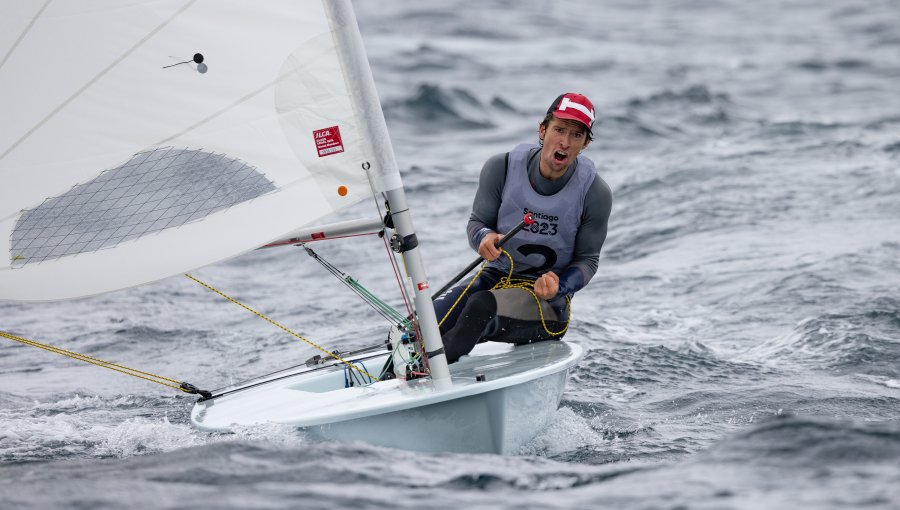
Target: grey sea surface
[742, 332]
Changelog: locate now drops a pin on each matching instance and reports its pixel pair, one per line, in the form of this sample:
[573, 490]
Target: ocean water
[743, 331]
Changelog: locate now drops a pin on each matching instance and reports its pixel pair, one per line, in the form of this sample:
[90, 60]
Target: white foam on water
[273, 433]
[139, 436]
[568, 431]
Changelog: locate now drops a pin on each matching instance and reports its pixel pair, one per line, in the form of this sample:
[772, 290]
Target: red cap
[573, 107]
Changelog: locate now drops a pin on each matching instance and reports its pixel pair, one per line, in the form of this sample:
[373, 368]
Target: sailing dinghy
[145, 139]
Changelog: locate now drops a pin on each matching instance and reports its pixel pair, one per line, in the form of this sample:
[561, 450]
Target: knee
[481, 307]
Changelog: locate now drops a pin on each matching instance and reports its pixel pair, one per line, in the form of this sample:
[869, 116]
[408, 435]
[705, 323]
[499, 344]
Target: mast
[386, 174]
[428, 325]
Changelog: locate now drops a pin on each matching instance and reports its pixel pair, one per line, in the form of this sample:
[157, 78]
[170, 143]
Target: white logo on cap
[566, 103]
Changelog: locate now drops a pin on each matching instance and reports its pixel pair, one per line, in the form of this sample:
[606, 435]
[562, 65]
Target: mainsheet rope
[166, 381]
[508, 282]
[281, 326]
[147, 376]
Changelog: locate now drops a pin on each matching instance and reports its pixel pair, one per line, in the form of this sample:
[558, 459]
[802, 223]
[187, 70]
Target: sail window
[155, 190]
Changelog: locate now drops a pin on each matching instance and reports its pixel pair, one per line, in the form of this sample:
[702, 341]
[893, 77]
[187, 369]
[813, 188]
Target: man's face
[563, 140]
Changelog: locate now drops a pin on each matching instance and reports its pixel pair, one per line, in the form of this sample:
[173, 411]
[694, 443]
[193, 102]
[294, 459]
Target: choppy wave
[660, 365]
[437, 109]
[803, 442]
[430, 58]
[866, 341]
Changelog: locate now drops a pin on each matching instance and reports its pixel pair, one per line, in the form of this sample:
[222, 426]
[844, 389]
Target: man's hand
[488, 246]
[546, 286]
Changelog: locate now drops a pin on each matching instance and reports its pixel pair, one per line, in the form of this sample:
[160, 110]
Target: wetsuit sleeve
[589, 239]
[486, 207]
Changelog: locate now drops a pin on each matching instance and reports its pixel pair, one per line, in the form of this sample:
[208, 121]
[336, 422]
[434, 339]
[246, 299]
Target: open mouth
[560, 156]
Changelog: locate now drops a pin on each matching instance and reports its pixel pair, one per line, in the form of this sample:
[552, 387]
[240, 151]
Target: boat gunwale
[373, 405]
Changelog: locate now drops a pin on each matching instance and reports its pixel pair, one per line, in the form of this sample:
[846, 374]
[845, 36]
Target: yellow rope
[463, 293]
[508, 282]
[147, 376]
[281, 326]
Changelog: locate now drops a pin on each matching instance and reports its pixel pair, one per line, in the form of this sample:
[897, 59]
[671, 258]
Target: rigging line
[378, 305]
[24, 33]
[395, 266]
[463, 293]
[528, 285]
[309, 369]
[82, 357]
[508, 282]
[396, 269]
[259, 381]
[382, 308]
[122, 369]
[277, 324]
[390, 254]
[101, 74]
[420, 340]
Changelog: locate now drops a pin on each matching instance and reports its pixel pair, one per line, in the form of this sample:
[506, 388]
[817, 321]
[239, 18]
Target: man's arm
[486, 207]
[589, 239]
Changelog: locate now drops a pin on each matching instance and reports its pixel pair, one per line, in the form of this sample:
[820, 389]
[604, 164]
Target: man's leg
[507, 315]
[474, 319]
[520, 321]
[442, 304]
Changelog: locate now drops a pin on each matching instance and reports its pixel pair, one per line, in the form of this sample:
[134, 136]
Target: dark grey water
[743, 330]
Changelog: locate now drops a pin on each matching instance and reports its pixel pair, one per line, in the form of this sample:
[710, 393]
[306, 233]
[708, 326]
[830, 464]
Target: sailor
[559, 252]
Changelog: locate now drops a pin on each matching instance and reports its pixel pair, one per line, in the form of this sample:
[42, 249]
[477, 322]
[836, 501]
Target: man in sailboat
[570, 205]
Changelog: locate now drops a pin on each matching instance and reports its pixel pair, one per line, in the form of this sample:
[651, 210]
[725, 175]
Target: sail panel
[154, 191]
[97, 87]
[142, 260]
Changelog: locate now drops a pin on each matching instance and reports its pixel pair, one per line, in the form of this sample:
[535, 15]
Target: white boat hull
[519, 396]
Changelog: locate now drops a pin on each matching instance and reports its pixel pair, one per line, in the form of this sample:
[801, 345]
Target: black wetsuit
[479, 308]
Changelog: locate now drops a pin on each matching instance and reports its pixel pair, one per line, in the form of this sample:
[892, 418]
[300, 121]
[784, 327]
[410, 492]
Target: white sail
[121, 165]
